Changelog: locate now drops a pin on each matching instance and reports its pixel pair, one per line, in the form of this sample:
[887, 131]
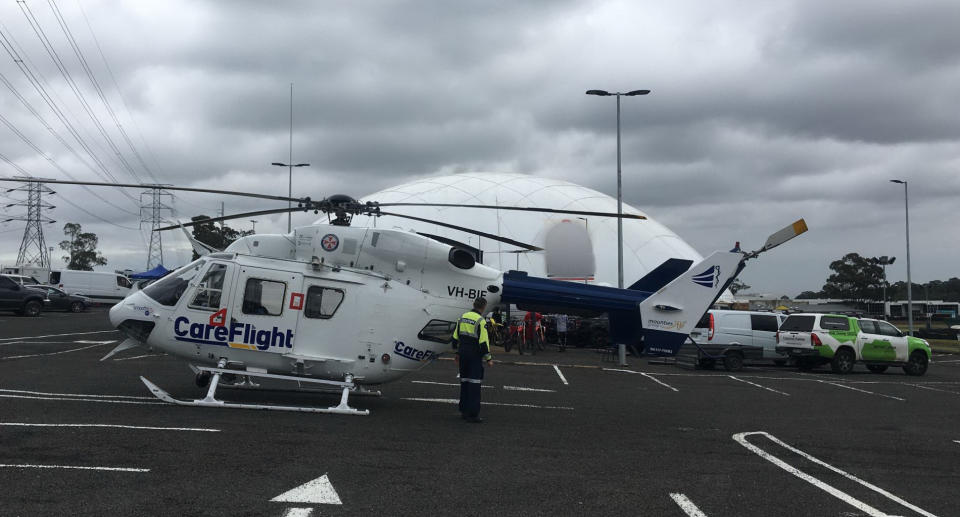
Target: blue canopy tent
[153, 274]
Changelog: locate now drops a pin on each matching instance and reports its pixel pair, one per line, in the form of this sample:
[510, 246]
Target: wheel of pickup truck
[733, 361]
[877, 368]
[31, 308]
[843, 361]
[917, 364]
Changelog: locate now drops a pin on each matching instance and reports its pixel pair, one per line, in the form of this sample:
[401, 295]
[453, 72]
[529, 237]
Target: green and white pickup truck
[815, 339]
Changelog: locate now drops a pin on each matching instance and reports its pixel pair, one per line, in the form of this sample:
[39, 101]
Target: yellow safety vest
[472, 325]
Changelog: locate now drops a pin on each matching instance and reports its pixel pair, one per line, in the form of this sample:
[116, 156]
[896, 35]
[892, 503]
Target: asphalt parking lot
[565, 434]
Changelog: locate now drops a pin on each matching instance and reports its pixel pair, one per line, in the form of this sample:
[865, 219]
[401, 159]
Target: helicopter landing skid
[209, 401]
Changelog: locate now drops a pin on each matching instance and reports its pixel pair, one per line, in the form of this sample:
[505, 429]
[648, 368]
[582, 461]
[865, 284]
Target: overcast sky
[761, 112]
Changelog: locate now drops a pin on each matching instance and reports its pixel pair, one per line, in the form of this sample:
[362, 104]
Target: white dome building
[576, 248]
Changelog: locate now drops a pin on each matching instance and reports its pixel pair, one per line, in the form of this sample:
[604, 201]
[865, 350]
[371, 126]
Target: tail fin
[668, 316]
[662, 275]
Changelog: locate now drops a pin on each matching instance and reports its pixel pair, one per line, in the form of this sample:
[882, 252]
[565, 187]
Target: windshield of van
[798, 324]
[168, 290]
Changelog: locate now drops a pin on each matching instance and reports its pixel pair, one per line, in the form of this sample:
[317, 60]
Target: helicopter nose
[134, 316]
[134, 306]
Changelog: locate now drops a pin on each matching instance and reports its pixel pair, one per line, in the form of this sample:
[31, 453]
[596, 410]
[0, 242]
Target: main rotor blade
[468, 230]
[522, 209]
[164, 187]
[234, 216]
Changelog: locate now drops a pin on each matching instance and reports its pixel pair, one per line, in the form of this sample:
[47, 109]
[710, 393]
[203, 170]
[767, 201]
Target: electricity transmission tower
[152, 213]
[33, 248]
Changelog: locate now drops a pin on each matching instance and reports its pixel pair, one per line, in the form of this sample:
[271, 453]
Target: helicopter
[351, 308]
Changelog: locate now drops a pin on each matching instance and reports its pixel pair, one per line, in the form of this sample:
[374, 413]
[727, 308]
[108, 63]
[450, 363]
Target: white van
[98, 286]
[746, 328]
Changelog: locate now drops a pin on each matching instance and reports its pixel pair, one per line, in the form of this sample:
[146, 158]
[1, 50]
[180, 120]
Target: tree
[212, 235]
[737, 286]
[82, 249]
[855, 278]
[809, 295]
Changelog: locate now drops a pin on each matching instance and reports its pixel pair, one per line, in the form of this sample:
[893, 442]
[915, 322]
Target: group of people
[533, 327]
[471, 340]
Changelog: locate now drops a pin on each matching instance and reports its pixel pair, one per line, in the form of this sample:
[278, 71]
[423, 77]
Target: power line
[96, 85]
[65, 73]
[123, 99]
[62, 198]
[8, 45]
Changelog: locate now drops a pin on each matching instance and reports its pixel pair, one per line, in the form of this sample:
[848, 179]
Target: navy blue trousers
[471, 379]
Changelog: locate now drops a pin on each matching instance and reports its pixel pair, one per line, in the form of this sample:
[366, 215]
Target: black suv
[20, 299]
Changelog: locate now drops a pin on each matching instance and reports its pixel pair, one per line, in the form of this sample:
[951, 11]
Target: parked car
[22, 279]
[58, 300]
[22, 300]
[753, 331]
[842, 341]
[97, 286]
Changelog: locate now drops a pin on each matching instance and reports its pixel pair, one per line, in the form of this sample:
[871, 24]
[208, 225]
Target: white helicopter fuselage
[324, 301]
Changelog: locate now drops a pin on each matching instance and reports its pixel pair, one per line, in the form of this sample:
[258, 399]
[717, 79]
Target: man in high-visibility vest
[473, 349]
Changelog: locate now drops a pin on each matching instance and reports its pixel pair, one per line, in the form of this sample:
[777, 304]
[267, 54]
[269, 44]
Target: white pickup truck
[814, 339]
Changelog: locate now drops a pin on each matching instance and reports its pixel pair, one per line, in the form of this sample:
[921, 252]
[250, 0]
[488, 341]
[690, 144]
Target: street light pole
[906, 206]
[603, 93]
[290, 165]
[885, 261]
[254, 230]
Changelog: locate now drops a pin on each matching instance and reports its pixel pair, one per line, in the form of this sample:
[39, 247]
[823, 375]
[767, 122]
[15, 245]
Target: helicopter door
[267, 306]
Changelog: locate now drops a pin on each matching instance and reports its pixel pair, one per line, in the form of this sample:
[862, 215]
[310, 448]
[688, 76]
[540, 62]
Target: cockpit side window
[168, 290]
[210, 290]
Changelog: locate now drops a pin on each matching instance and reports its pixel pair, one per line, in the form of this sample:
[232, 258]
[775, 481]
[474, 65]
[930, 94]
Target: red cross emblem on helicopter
[329, 242]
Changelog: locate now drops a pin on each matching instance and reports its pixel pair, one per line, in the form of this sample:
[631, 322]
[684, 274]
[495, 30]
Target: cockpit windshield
[168, 290]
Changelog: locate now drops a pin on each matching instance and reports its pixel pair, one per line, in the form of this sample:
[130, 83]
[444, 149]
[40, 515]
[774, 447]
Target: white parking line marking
[860, 505]
[921, 386]
[298, 512]
[457, 384]
[647, 375]
[562, 378]
[105, 401]
[521, 388]
[757, 385]
[116, 426]
[51, 353]
[139, 357]
[455, 401]
[78, 395]
[862, 391]
[56, 335]
[35, 343]
[687, 505]
[658, 381]
[112, 469]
